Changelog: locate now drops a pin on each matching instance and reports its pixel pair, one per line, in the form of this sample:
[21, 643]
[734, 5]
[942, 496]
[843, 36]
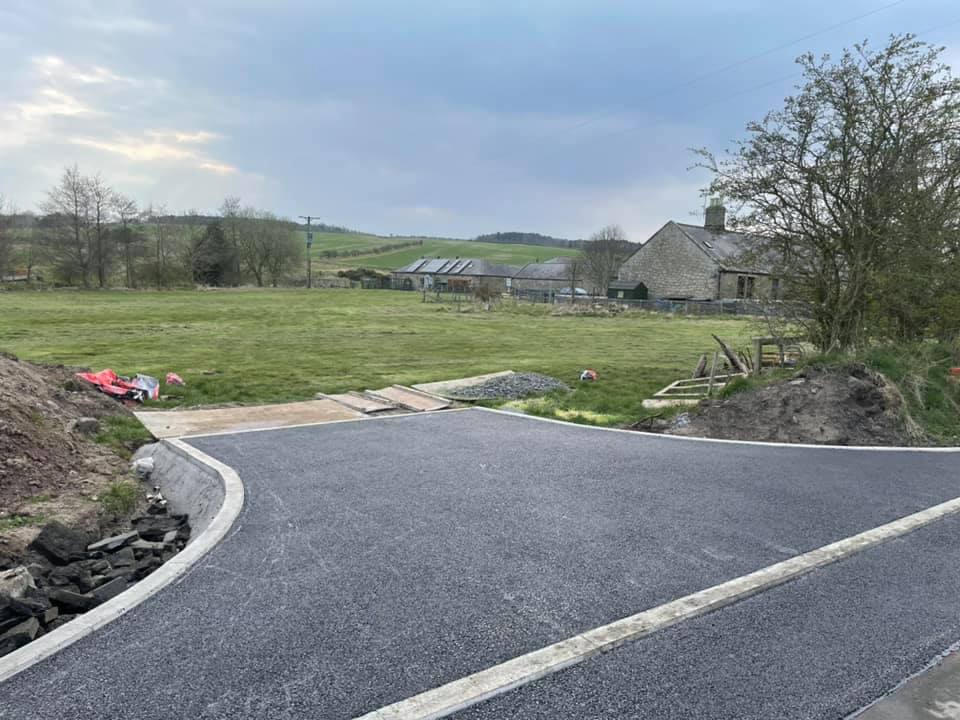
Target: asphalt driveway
[378, 559]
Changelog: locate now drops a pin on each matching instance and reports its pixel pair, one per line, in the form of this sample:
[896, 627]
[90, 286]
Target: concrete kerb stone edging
[485, 684]
[692, 438]
[177, 566]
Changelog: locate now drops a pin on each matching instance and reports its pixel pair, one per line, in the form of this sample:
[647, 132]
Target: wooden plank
[409, 398]
[735, 361]
[701, 368]
[713, 373]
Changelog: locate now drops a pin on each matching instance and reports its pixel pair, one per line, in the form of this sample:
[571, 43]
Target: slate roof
[544, 271]
[469, 267]
[724, 247]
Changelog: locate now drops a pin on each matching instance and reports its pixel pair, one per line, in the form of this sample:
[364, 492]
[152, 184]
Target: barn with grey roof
[461, 274]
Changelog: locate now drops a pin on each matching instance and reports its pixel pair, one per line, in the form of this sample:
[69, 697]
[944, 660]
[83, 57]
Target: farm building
[453, 274]
[548, 277]
[693, 262]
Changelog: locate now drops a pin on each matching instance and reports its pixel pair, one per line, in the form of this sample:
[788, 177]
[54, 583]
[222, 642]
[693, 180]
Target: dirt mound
[50, 465]
[848, 405]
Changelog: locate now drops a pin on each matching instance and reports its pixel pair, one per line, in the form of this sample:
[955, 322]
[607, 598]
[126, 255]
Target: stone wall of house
[671, 266]
[762, 285]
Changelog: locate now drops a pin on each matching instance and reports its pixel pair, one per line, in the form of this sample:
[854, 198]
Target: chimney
[715, 215]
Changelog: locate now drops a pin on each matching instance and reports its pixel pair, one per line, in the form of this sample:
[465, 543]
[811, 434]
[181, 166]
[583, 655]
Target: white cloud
[182, 137]
[50, 101]
[157, 146]
[57, 70]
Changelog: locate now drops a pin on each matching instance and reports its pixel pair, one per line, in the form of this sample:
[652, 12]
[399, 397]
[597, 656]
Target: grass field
[501, 253]
[273, 345]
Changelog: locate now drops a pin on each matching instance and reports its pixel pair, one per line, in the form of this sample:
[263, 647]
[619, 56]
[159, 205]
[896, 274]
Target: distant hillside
[526, 238]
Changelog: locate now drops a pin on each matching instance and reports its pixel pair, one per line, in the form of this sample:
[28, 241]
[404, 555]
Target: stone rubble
[511, 387]
[65, 574]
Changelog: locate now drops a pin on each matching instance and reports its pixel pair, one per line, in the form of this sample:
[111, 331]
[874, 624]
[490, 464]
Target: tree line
[88, 234]
[376, 250]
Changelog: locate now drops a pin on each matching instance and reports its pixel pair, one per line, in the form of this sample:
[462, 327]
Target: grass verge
[123, 434]
[921, 372]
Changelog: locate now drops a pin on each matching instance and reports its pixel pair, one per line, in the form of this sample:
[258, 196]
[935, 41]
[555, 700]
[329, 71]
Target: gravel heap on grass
[511, 387]
[848, 405]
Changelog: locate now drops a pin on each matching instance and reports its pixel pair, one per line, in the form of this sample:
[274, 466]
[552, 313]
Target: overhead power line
[732, 65]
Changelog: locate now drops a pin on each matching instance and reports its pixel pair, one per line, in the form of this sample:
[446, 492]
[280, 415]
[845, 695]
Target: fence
[556, 297]
[686, 307]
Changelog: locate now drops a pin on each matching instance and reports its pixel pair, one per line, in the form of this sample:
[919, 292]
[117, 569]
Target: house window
[620, 294]
[745, 286]
[775, 289]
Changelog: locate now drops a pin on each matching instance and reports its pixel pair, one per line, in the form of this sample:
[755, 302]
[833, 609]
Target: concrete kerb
[215, 529]
[690, 438]
[447, 699]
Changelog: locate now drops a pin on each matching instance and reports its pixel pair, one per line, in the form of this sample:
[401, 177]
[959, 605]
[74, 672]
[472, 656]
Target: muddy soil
[49, 468]
[849, 405]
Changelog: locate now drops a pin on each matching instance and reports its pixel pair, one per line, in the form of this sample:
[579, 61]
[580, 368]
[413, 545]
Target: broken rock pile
[65, 574]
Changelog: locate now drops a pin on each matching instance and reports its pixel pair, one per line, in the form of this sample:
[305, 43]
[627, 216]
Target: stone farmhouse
[693, 262]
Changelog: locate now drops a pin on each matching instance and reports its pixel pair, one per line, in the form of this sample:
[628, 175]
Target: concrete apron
[193, 483]
[933, 694]
[180, 423]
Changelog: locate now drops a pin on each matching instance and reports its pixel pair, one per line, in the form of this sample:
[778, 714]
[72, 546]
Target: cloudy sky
[442, 118]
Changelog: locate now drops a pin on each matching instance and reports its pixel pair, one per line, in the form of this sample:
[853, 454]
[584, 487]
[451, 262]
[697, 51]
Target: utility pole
[308, 218]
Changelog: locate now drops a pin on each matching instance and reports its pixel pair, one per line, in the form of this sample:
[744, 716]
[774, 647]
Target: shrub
[120, 498]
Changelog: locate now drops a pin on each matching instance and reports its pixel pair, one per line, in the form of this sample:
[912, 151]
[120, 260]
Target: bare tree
[157, 214]
[268, 246]
[575, 271]
[6, 238]
[231, 212]
[67, 236]
[101, 204]
[128, 239]
[602, 255]
[852, 190]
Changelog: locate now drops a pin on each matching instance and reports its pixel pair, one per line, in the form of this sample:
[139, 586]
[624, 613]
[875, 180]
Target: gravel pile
[511, 387]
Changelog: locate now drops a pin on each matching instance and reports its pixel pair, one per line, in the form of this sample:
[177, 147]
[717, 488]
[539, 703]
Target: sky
[447, 118]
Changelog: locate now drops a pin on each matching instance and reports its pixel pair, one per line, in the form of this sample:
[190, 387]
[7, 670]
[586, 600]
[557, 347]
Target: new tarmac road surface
[378, 559]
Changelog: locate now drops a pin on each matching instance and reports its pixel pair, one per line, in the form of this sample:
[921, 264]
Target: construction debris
[138, 388]
[64, 574]
[735, 360]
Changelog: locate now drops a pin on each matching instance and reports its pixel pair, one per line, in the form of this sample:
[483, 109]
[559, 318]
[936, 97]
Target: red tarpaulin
[140, 388]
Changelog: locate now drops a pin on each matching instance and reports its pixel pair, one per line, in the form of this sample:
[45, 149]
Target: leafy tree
[852, 190]
[212, 256]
